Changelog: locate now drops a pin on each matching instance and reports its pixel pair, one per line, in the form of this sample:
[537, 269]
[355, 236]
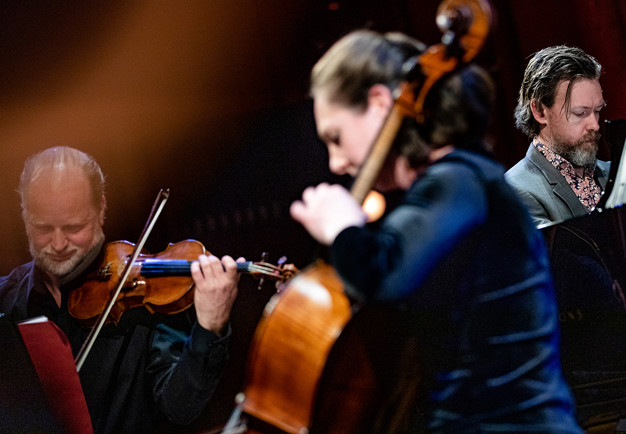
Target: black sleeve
[390, 262]
[187, 369]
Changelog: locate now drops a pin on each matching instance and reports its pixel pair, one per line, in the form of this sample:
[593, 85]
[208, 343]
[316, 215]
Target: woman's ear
[538, 111]
[379, 97]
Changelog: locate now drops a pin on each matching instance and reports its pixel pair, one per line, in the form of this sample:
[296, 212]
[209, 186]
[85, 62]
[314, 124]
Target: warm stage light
[374, 206]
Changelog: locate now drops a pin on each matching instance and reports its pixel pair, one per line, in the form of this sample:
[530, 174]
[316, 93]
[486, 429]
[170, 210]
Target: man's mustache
[590, 136]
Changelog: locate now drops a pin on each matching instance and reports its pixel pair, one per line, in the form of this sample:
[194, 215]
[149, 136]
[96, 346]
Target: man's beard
[581, 153]
[59, 269]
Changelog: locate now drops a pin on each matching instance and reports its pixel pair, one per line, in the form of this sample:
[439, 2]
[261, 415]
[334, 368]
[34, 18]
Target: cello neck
[378, 153]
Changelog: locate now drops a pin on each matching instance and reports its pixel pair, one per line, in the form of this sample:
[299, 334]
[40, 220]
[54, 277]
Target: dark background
[209, 99]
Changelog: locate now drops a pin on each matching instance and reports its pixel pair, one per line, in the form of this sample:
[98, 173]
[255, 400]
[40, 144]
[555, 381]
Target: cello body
[291, 343]
[319, 363]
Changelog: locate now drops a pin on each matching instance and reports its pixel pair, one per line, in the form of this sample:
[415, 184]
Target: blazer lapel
[556, 180]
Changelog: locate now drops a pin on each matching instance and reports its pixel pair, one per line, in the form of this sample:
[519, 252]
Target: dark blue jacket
[463, 256]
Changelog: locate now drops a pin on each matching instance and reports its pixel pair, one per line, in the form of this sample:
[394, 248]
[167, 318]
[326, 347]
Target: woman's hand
[326, 210]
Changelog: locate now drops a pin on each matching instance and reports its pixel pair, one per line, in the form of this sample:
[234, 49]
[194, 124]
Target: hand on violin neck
[216, 289]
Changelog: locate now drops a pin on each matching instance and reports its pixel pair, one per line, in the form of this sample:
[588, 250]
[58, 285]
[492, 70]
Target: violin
[159, 282]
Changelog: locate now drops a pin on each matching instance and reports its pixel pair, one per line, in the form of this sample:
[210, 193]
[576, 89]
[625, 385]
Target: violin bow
[159, 203]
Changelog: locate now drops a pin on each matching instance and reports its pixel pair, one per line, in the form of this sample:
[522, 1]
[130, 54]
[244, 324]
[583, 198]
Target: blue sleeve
[186, 369]
[15, 290]
[391, 261]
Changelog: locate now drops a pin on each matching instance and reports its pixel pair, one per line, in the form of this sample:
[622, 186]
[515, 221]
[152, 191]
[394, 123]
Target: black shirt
[140, 372]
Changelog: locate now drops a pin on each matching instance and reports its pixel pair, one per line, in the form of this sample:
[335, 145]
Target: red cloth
[51, 355]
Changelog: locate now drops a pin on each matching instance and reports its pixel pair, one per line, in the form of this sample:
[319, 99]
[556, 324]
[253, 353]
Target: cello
[309, 369]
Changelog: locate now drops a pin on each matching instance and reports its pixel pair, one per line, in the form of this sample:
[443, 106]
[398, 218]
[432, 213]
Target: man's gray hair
[61, 159]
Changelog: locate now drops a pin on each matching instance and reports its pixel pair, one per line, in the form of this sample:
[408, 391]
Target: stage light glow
[374, 206]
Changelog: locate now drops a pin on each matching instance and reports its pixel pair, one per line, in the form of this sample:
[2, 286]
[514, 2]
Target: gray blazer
[545, 192]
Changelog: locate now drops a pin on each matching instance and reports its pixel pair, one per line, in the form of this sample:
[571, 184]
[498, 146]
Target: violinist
[458, 252]
[145, 370]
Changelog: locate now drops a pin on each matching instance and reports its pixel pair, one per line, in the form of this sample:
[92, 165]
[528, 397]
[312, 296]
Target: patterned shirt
[585, 186]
